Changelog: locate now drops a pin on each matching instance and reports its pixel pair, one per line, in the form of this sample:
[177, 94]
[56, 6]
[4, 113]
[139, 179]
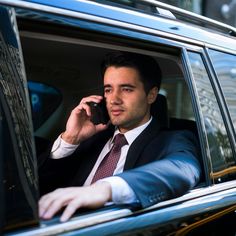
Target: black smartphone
[99, 112]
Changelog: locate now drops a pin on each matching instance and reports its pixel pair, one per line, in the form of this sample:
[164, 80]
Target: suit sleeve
[175, 173]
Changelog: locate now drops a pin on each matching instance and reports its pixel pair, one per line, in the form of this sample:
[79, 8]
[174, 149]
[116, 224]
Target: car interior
[60, 73]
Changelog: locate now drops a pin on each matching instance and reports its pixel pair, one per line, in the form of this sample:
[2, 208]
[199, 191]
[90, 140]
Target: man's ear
[152, 95]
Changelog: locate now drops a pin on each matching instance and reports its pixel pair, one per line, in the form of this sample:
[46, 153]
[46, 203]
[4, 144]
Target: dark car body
[50, 52]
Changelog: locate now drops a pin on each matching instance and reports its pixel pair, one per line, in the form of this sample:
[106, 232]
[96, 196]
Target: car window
[44, 101]
[225, 67]
[219, 144]
[58, 89]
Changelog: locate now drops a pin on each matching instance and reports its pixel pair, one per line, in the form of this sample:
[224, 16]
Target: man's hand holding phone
[85, 120]
[99, 114]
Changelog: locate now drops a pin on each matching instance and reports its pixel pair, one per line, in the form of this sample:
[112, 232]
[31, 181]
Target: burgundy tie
[109, 162]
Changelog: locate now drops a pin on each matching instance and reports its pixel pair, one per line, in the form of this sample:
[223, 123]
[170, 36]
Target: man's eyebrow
[121, 85]
[127, 85]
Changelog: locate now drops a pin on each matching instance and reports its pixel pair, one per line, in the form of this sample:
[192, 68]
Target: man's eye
[107, 90]
[127, 90]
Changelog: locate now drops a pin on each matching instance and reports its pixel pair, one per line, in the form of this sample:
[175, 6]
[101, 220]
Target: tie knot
[119, 141]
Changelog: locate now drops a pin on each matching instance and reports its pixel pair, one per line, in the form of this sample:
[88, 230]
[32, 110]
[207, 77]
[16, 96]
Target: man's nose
[115, 98]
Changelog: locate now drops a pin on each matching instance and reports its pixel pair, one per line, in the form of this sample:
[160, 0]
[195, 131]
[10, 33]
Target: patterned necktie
[109, 162]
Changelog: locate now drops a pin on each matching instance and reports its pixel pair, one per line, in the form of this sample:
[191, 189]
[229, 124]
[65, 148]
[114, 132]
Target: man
[131, 84]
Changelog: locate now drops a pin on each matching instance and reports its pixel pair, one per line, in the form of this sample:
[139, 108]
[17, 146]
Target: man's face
[127, 103]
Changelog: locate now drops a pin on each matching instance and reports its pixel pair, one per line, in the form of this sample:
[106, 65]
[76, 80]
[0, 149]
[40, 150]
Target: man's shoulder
[167, 138]
[177, 133]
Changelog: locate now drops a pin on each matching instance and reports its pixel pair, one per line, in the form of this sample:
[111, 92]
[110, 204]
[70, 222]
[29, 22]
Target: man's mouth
[116, 112]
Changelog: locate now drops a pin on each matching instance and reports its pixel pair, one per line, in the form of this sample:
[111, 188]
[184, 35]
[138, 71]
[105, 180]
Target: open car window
[73, 69]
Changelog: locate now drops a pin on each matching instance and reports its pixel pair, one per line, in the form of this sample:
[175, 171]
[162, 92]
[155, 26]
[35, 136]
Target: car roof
[188, 26]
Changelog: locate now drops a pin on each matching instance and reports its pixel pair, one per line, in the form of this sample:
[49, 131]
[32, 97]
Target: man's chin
[116, 122]
[121, 124]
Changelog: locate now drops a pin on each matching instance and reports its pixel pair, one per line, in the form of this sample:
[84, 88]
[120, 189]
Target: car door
[219, 137]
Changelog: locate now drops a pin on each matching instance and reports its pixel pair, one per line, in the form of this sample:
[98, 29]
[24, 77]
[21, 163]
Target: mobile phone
[99, 112]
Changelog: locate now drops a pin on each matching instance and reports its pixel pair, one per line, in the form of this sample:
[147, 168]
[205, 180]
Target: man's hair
[148, 68]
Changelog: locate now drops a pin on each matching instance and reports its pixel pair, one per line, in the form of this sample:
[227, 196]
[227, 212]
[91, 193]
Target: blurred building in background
[221, 10]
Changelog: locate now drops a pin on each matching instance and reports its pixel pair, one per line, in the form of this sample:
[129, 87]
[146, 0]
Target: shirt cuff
[62, 149]
[122, 193]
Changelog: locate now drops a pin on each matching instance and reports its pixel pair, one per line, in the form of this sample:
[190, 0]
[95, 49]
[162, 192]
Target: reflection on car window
[225, 66]
[44, 101]
[220, 149]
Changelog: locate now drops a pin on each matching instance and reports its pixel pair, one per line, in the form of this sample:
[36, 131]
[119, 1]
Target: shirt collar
[131, 135]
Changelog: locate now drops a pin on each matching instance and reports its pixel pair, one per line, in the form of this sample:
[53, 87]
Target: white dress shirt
[121, 191]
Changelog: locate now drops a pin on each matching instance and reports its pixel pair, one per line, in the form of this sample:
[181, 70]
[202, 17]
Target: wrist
[70, 138]
[105, 189]
[120, 190]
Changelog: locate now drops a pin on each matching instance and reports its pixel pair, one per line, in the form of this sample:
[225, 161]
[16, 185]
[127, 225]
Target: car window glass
[225, 67]
[219, 145]
[44, 101]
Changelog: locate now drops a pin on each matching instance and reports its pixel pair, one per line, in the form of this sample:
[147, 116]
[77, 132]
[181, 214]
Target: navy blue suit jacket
[160, 164]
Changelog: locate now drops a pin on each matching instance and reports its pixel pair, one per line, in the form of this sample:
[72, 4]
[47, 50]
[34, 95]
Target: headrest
[159, 110]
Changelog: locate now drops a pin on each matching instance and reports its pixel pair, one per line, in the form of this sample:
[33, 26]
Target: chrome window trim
[218, 48]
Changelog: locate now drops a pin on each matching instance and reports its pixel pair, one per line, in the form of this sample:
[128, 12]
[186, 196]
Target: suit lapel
[140, 143]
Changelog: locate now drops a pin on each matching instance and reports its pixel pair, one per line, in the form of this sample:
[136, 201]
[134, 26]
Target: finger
[56, 205]
[46, 200]
[70, 210]
[87, 108]
[83, 107]
[92, 98]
